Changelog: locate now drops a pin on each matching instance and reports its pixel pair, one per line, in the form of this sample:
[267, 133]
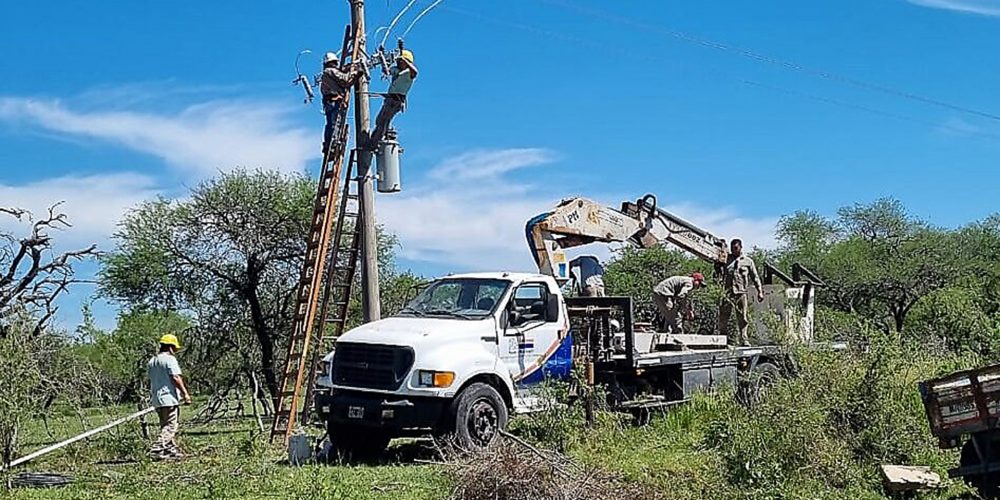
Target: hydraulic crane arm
[579, 221]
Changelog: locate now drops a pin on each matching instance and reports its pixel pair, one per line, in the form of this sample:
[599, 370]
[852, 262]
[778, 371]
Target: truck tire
[476, 417]
[755, 384]
[988, 485]
[355, 443]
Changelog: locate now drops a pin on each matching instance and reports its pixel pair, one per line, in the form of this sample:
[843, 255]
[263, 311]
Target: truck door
[535, 342]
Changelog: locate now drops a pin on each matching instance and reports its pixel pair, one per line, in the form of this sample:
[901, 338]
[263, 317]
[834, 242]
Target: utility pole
[370, 303]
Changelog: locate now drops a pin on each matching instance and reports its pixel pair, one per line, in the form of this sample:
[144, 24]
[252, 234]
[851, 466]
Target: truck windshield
[464, 298]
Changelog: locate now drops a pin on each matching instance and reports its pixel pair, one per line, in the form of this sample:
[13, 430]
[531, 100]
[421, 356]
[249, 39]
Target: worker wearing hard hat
[671, 298]
[167, 391]
[334, 85]
[402, 76]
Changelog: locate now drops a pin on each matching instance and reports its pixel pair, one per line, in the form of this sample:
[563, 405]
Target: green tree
[228, 256]
[877, 259]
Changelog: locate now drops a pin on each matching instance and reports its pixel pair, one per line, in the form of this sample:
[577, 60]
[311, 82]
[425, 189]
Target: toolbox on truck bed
[962, 403]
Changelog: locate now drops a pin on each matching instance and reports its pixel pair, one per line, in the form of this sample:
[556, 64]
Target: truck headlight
[429, 378]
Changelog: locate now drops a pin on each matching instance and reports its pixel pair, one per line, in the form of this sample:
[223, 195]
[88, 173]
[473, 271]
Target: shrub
[830, 427]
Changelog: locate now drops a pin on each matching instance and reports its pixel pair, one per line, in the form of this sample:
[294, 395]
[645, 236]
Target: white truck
[466, 352]
[454, 360]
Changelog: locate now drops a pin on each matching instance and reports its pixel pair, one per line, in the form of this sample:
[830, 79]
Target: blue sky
[733, 113]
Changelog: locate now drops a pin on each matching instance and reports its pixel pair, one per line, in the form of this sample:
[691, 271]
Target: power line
[611, 49]
[420, 15]
[763, 58]
[874, 111]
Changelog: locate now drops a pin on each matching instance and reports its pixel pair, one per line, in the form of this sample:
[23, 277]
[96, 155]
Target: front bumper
[394, 413]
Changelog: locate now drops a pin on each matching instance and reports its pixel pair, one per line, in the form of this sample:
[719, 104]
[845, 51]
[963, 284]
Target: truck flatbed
[698, 356]
[647, 374]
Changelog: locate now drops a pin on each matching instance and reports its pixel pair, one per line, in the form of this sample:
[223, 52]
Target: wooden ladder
[314, 280]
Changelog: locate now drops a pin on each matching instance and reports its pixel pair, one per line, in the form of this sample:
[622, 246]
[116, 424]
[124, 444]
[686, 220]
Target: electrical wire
[646, 57]
[421, 14]
[763, 58]
[874, 111]
[395, 20]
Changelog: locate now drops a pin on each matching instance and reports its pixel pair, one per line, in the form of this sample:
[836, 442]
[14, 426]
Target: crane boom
[579, 221]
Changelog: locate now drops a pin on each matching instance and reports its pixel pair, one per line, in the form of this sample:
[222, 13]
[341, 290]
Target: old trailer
[963, 410]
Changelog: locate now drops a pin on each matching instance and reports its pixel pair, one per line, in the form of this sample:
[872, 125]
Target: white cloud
[468, 213]
[982, 7]
[485, 163]
[200, 140]
[93, 204]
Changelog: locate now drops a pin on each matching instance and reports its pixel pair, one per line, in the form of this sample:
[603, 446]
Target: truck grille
[371, 366]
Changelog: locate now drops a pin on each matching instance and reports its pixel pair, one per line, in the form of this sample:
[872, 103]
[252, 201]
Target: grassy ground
[822, 434]
[223, 462]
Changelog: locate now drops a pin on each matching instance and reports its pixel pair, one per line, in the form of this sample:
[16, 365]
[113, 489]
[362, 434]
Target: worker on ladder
[334, 86]
[402, 76]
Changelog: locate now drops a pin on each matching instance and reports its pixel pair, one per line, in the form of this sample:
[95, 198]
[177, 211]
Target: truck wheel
[755, 384]
[476, 417]
[352, 442]
[988, 485]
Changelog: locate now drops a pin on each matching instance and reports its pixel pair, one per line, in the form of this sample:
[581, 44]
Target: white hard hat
[330, 57]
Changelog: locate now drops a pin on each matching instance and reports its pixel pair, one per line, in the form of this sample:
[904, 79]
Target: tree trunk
[264, 339]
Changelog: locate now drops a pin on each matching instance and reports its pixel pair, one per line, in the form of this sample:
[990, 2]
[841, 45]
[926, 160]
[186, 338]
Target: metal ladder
[318, 276]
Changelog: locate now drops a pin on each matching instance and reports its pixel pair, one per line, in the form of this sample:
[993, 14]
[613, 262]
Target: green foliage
[38, 370]
[879, 261]
[954, 318]
[829, 428]
[228, 257]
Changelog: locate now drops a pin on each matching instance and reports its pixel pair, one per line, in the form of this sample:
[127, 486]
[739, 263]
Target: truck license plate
[356, 412]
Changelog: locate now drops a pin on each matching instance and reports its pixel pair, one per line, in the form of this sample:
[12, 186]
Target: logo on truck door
[515, 346]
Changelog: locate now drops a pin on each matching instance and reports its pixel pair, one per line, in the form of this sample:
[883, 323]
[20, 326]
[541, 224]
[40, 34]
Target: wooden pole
[74, 439]
[370, 303]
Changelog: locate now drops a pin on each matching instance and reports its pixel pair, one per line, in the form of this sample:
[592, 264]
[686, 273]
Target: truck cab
[455, 361]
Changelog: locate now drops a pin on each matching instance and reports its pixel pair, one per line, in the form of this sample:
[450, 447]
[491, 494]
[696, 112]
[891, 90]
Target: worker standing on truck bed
[589, 275]
[739, 274]
[333, 86]
[402, 75]
[671, 298]
[167, 391]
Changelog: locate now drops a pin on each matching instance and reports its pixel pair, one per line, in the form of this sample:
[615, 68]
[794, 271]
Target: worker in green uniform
[672, 301]
[739, 275]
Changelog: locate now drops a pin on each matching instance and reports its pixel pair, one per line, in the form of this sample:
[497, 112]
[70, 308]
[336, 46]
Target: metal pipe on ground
[85, 435]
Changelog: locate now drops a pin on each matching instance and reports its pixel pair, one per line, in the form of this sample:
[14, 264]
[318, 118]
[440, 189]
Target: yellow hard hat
[406, 54]
[170, 339]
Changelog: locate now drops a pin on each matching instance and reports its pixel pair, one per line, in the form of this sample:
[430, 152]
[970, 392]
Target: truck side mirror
[552, 308]
[514, 317]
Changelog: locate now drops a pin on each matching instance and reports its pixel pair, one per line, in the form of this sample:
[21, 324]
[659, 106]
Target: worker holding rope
[402, 76]
[167, 391]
